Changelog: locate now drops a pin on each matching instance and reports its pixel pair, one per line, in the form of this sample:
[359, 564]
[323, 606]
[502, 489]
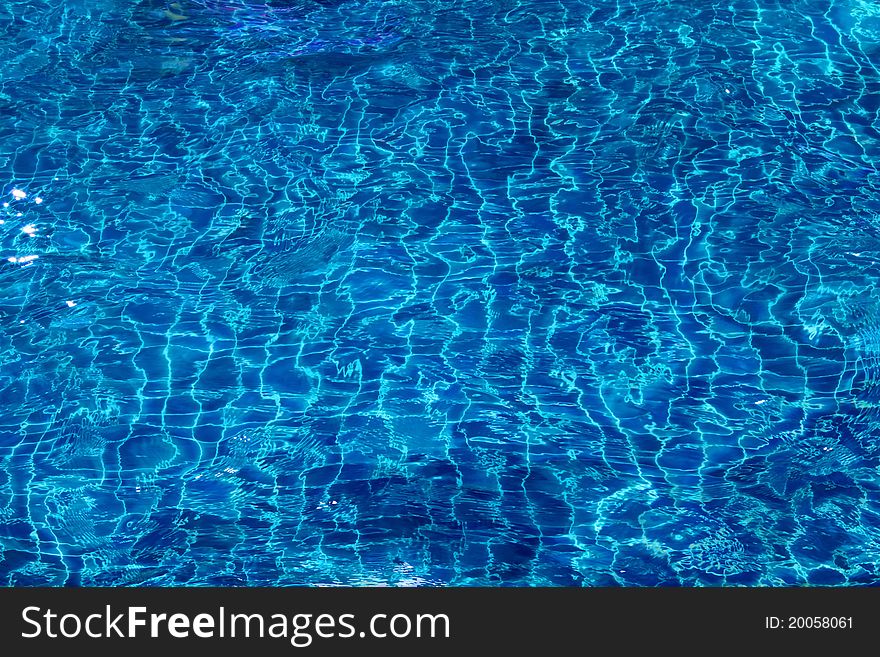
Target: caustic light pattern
[439, 292]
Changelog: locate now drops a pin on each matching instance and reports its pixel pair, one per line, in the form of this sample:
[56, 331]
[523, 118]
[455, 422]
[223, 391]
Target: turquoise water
[422, 292]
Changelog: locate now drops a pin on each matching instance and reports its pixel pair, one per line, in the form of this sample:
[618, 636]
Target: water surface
[433, 292]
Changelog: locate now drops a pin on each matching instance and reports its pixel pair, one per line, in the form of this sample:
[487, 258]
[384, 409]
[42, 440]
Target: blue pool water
[435, 292]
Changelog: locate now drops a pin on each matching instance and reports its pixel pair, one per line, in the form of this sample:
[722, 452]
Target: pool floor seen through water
[434, 292]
